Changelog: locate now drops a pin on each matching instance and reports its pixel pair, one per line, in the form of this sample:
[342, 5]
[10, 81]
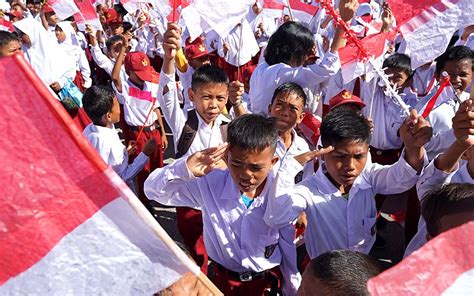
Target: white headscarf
[71, 44]
[45, 56]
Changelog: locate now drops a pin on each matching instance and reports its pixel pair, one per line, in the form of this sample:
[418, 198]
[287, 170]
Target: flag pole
[290, 11]
[239, 70]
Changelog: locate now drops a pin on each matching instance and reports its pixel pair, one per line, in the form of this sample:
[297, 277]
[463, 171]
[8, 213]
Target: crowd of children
[271, 149]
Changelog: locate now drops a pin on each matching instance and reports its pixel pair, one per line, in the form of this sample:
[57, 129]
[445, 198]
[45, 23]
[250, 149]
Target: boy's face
[115, 50]
[209, 100]
[133, 77]
[345, 163]
[399, 77]
[10, 49]
[249, 169]
[51, 18]
[287, 108]
[114, 114]
[460, 73]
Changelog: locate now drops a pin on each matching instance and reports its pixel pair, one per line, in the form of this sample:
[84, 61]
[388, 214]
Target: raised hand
[463, 123]
[415, 131]
[310, 155]
[203, 162]
[236, 91]
[172, 40]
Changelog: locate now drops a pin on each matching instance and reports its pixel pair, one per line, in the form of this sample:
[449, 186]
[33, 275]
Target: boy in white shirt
[339, 199]
[245, 250]
[103, 109]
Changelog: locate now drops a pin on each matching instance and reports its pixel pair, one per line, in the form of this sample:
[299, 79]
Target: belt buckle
[245, 276]
[378, 152]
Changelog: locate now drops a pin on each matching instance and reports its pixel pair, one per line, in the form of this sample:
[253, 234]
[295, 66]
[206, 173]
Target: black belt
[145, 129]
[387, 152]
[246, 276]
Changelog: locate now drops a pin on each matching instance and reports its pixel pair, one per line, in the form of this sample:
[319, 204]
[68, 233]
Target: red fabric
[432, 101]
[79, 81]
[156, 158]
[432, 269]
[190, 227]
[229, 286]
[51, 180]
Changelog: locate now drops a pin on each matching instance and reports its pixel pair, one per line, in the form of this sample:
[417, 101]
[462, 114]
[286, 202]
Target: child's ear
[191, 94]
[300, 118]
[269, 109]
[275, 160]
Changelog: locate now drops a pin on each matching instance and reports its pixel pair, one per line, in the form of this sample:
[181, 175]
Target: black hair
[291, 42]
[252, 132]
[290, 88]
[97, 101]
[344, 124]
[455, 53]
[7, 37]
[208, 74]
[445, 200]
[112, 40]
[127, 26]
[344, 272]
[399, 61]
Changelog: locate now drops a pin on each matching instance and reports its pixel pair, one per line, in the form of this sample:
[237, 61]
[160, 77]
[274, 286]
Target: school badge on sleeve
[269, 250]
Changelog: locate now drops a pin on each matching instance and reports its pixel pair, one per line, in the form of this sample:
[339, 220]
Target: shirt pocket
[267, 245]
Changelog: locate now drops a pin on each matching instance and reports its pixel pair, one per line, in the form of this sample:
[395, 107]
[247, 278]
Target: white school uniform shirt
[433, 178]
[297, 147]
[206, 136]
[269, 26]
[423, 79]
[234, 236]
[335, 223]
[137, 102]
[107, 143]
[265, 79]
[440, 119]
[186, 79]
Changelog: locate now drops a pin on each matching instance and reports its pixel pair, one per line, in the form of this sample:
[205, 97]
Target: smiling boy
[339, 199]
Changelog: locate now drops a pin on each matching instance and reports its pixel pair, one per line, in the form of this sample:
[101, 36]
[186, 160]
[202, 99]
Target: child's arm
[285, 200]
[164, 140]
[131, 170]
[85, 70]
[415, 133]
[236, 91]
[116, 79]
[169, 101]
[99, 57]
[177, 184]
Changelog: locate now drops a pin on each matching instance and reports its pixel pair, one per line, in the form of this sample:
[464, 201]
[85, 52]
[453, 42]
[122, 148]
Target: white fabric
[45, 56]
[206, 136]
[433, 178]
[265, 79]
[117, 254]
[110, 148]
[240, 50]
[136, 109]
[73, 48]
[333, 222]
[234, 236]
[422, 78]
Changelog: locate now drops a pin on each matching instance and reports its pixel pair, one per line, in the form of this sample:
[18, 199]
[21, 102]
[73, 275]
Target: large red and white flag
[302, 12]
[87, 15]
[444, 266]
[64, 8]
[428, 25]
[69, 224]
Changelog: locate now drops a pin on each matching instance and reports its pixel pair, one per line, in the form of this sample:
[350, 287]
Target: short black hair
[7, 37]
[290, 88]
[127, 26]
[292, 41]
[455, 53]
[344, 124]
[252, 132]
[445, 200]
[399, 61]
[208, 74]
[112, 40]
[97, 101]
[344, 272]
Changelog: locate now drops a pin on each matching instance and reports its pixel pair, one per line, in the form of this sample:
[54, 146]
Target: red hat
[16, 14]
[112, 17]
[139, 63]
[195, 49]
[345, 97]
[47, 8]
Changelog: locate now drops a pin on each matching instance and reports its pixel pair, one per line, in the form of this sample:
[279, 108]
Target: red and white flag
[6, 25]
[64, 8]
[428, 25]
[302, 12]
[87, 15]
[444, 266]
[69, 224]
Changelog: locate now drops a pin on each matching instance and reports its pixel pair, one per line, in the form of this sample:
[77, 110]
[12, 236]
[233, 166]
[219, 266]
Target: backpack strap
[188, 133]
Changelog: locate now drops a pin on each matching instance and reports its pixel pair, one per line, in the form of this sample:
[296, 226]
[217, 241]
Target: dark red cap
[47, 8]
[345, 97]
[139, 63]
[195, 49]
[112, 17]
